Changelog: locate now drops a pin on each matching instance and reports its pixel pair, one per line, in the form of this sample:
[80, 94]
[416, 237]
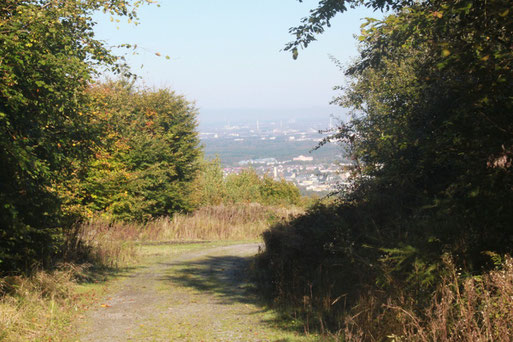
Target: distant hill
[317, 116]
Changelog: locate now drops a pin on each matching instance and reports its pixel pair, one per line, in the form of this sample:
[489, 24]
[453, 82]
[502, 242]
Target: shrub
[244, 187]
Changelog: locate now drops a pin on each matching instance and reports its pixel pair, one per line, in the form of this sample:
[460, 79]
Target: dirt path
[199, 295]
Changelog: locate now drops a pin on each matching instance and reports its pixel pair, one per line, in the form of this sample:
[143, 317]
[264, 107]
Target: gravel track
[200, 295]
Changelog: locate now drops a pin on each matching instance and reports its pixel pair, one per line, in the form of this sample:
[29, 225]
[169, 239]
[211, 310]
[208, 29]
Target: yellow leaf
[505, 13]
[446, 53]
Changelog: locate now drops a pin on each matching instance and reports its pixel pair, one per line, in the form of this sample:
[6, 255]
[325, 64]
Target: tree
[209, 187]
[149, 155]
[432, 104]
[321, 17]
[432, 127]
[48, 55]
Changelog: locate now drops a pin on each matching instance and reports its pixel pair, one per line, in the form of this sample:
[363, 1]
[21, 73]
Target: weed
[221, 222]
[39, 307]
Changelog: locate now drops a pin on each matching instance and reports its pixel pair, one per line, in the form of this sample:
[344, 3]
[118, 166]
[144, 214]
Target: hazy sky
[226, 54]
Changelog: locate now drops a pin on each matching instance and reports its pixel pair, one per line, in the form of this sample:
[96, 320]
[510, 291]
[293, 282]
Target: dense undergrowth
[221, 222]
[343, 278]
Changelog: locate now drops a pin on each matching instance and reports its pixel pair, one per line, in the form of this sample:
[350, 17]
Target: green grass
[199, 282]
[149, 251]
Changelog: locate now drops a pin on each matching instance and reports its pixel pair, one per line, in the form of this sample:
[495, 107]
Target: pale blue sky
[226, 54]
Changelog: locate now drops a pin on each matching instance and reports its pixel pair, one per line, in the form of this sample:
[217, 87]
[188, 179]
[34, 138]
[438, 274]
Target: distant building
[266, 161]
[303, 158]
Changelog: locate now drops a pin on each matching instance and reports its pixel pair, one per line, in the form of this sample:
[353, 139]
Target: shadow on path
[226, 278]
[102, 274]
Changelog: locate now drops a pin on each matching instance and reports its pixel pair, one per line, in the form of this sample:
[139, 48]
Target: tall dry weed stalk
[40, 306]
[102, 244]
[221, 222]
[467, 309]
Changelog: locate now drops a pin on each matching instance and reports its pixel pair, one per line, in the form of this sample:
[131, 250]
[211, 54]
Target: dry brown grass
[102, 244]
[39, 307]
[221, 222]
[469, 309]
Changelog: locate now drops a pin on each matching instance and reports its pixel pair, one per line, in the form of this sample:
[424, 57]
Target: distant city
[280, 149]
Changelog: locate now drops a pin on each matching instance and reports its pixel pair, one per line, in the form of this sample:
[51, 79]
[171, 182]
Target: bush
[312, 260]
[246, 187]
[341, 268]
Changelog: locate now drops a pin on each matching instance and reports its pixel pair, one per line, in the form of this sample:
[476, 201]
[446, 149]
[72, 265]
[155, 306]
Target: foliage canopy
[321, 17]
[432, 124]
[148, 156]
